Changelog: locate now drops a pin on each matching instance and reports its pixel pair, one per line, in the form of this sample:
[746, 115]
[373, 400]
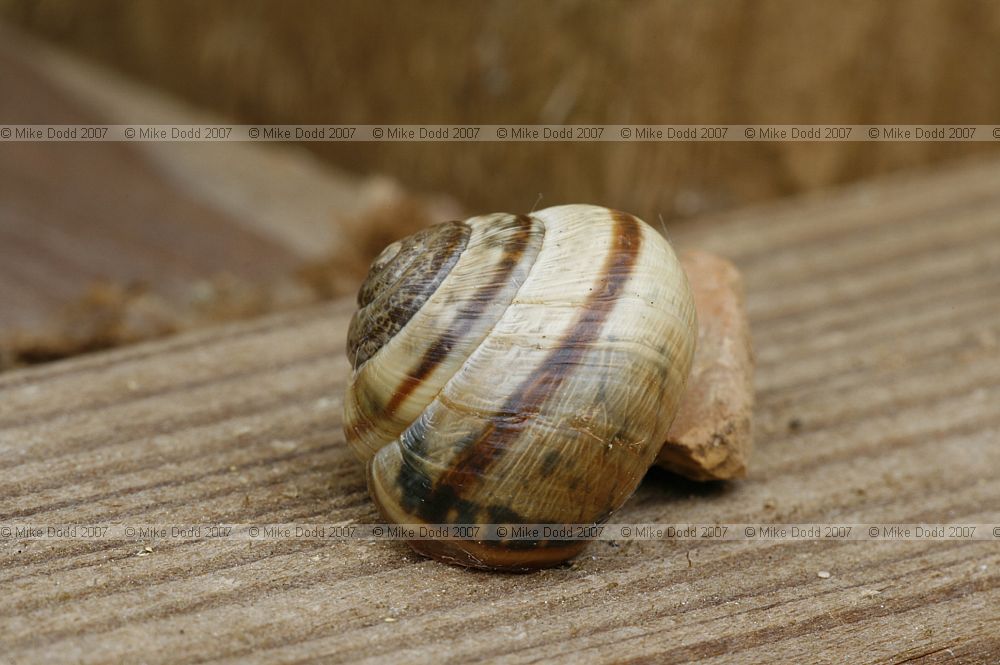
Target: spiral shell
[517, 369]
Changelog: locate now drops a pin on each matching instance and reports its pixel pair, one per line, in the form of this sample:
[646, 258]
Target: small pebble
[823, 574]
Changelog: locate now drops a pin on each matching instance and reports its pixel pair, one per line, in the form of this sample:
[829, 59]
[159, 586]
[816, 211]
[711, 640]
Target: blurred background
[205, 232]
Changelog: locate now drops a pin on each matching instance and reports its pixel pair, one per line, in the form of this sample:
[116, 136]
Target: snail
[516, 369]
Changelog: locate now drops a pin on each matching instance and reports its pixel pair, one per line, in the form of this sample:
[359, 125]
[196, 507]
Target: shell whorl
[528, 372]
[399, 282]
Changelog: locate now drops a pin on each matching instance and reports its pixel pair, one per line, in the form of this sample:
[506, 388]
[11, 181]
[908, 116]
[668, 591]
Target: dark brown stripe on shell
[507, 423]
[469, 313]
[399, 283]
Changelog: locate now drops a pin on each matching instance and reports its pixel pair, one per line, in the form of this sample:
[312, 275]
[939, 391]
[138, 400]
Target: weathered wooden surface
[876, 317]
[165, 214]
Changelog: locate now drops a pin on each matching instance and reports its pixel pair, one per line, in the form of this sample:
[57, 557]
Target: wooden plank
[166, 215]
[76, 213]
[876, 319]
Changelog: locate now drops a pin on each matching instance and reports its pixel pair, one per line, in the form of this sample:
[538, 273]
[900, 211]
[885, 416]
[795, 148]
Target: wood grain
[876, 318]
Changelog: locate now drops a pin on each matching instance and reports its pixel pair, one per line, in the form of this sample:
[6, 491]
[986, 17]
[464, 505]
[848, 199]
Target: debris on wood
[711, 437]
[110, 314]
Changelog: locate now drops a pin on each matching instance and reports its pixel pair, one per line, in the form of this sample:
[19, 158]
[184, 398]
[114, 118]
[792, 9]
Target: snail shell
[517, 369]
